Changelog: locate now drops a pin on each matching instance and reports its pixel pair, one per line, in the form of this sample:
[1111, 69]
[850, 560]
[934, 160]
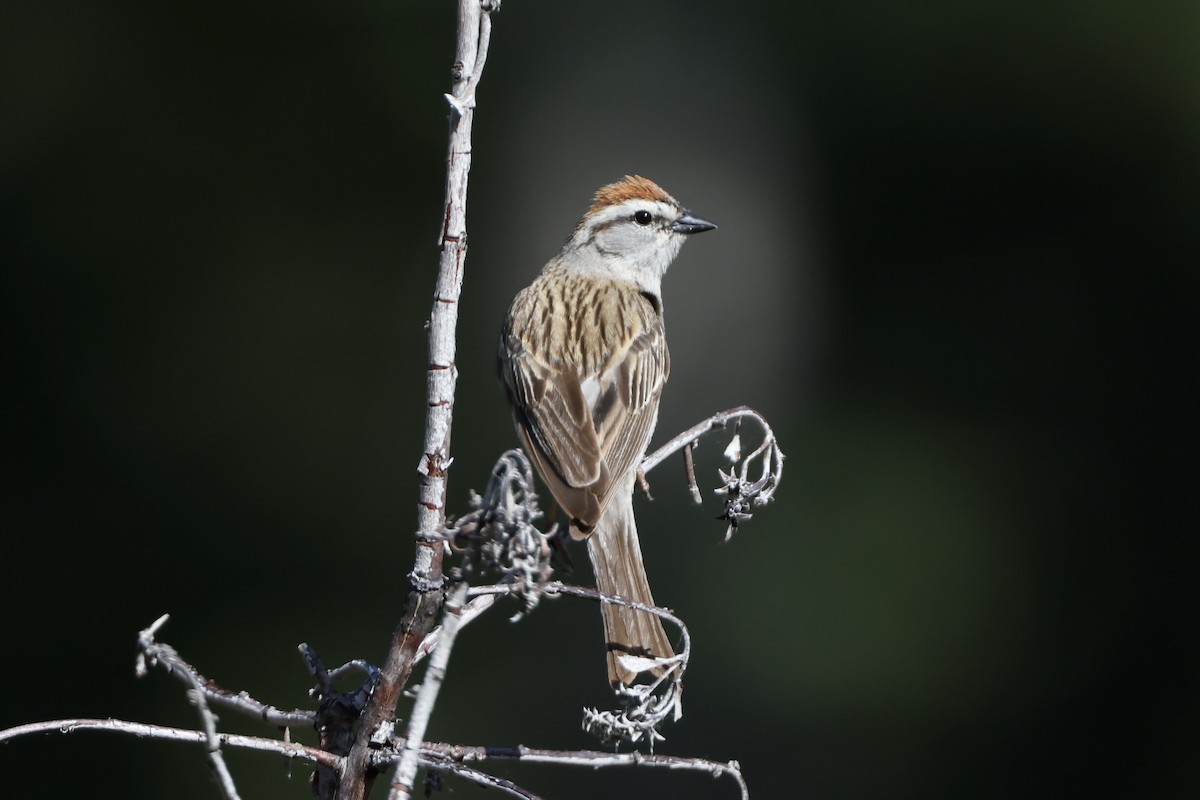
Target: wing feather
[625, 428]
[583, 449]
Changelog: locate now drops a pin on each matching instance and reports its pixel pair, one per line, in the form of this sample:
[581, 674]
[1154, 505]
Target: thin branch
[151, 652]
[484, 779]
[144, 731]
[588, 593]
[464, 99]
[591, 759]
[470, 612]
[646, 706]
[241, 702]
[433, 755]
[715, 422]
[244, 703]
[406, 770]
[740, 491]
[689, 466]
[355, 665]
[425, 600]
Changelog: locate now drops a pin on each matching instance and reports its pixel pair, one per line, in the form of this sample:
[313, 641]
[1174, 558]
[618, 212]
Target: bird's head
[632, 231]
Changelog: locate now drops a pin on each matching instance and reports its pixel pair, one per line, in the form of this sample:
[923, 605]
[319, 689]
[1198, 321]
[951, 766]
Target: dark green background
[958, 249]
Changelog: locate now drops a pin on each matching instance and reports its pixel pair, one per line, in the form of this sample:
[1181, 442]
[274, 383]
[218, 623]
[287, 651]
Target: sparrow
[583, 360]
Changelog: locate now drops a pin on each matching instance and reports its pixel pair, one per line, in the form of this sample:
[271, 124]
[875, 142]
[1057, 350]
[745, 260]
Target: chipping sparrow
[583, 358]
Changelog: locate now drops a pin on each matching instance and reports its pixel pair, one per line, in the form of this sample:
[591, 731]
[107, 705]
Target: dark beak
[690, 223]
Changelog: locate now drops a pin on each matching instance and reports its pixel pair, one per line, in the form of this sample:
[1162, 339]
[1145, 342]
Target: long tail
[617, 561]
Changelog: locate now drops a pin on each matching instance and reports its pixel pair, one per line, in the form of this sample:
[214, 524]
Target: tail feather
[617, 561]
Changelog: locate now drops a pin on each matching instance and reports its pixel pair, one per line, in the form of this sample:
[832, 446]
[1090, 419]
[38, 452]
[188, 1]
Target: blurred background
[956, 268]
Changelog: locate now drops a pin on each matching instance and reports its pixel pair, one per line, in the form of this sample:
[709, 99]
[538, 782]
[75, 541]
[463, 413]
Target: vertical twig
[689, 466]
[425, 600]
[435, 673]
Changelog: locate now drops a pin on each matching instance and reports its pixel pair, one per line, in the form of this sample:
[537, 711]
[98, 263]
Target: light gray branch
[152, 653]
[406, 769]
[484, 779]
[474, 36]
[716, 422]
[470, 612]
[741, 491]
[645, 706]
[590, 759]
[241, 702]
[144, 731]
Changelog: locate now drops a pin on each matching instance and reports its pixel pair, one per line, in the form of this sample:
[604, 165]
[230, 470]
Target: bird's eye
[642, 217]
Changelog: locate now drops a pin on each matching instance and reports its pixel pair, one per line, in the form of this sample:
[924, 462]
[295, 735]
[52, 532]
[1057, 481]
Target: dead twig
[741, 492]
[153, 653]
[146, 731]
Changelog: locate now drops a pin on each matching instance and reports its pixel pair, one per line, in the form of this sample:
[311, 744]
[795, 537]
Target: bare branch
[470, 612]
[406, 769]
[689, 466]
[474, 36]
[433, 755]
[355, 665]
[715, 422]
[590, 759]
[240, 701]
[645, 706]
[464, 100]
[151, 653]
[142, 730]
[740, 491]
[483, 779]
[425, 600]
